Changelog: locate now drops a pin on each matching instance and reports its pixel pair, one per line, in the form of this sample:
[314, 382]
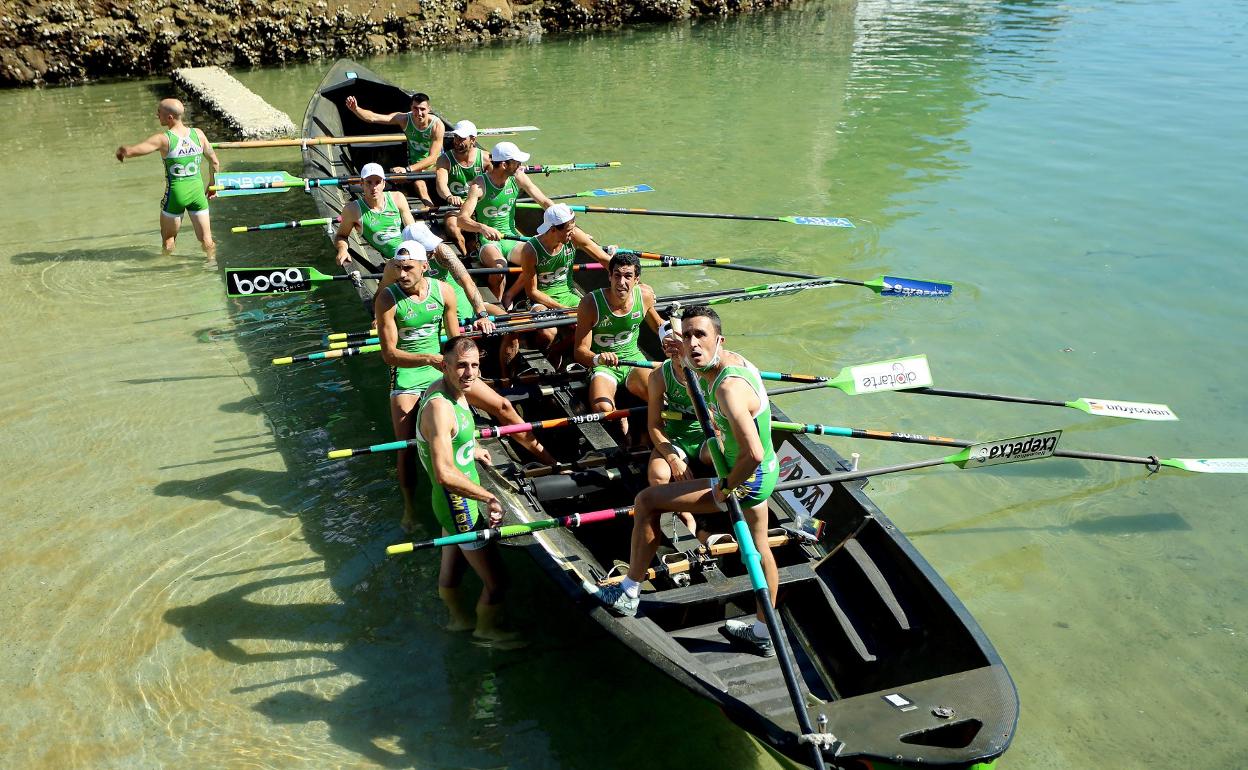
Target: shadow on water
[115, 254]
[224, 487]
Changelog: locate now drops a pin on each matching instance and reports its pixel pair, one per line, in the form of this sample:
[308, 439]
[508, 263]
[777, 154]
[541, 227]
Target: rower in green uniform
[183, 150]
[490, 211]
[380, 214]
[742, 416]
[679, 442]
[411, 315]
[445, 266]
[608, 322]
[424, 132]
[446, 442]
[455, 170]
[546, 262]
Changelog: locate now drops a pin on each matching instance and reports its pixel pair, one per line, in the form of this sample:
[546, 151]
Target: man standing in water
[742, 416]
[424, 132]
[183, 150]
[446, 441]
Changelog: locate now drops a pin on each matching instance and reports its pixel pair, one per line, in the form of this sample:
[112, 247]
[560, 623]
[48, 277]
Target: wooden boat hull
[890, 660]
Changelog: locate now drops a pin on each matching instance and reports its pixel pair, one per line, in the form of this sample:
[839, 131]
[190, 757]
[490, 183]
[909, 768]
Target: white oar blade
[246, 183]
[1010, 450]
[895, 374]
[819, 221]
[506, 130]
[1130, 410]
[1212, 465]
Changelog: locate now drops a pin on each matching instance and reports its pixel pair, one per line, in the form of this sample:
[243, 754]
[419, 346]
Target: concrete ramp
[240, 108]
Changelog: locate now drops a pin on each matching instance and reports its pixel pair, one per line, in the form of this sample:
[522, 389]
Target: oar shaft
[514, 530]
[984, 396]
[559, 422]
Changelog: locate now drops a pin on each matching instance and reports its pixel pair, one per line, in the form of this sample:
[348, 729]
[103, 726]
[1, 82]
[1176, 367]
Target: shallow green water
[187, 583]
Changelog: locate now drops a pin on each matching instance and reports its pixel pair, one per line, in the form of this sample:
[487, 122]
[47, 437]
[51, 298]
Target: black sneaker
[743, 634]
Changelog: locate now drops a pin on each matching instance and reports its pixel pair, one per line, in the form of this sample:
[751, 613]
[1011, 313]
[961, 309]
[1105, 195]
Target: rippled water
[188, 583]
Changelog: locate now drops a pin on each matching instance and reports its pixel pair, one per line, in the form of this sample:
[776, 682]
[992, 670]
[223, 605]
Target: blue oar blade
[893, 286]
[607, 191]
[819, 221]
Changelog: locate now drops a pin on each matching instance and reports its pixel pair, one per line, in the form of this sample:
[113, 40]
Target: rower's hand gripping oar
[514, 530]
[753, 561]
[884, 285]
[1153, 463]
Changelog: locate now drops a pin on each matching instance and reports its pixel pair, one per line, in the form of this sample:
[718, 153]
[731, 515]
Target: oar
[496, 431]
[886, 285]
[601, 192]
[1099, 407]
[233, 183]
[683, 561]
[261, 281]
[796, 220]
[514, 530]
[1009, 450]
[1208, 465]
[753, 565]
[893, 374]
[367, 139]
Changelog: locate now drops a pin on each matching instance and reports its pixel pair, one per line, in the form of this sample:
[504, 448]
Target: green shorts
[184, 195]
[619, 374]
[412, 381]
[687, 437]
[759, 486]
[505, 246]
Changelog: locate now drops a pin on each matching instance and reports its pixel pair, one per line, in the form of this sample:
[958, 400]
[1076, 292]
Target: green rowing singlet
[184, 185]
[383, 230]
[455, 513]
[617, 333]
[685, 434]
[458, 177]
[554, 272]
[759, 486]
[497, 207]
[420, 331]
[418, 140]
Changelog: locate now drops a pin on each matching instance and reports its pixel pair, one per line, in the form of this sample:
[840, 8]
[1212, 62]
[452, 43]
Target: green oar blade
[894, 374]
[818, 221]
[233, 183]
[1130, 410]
[1212, 465]
[1033, 446]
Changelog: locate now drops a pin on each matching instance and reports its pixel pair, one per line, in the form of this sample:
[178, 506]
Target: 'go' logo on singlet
[184, 170]
[382, 237]
[418, 333]
[458, 188]
[613, 340]
[551, 278]
[464, 455]
[497, 211]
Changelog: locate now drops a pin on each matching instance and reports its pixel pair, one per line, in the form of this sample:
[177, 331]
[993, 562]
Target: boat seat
[878, 581]
[725, 590]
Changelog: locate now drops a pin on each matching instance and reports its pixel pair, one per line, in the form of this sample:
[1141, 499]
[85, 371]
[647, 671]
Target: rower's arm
[368, 116]
[655, 391]
[350, 216]
[652, 311]
[213, 161]
[528, 279]
[586, 317]
[146, 147]
[450, 313]
[405, 209]
[469, 207]
[586, 243]
[388, 333]
[437, 426]
[735, 398]
[442, 178]
[447, 259]
[531, 189]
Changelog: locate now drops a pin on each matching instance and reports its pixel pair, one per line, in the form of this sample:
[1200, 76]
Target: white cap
[507, 151]
[372, 169]
[554, 216]
[420, 232]
[410, 250]
[465, 129]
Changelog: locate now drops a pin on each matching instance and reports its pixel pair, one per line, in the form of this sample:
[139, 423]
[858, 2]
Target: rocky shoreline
[58, 42]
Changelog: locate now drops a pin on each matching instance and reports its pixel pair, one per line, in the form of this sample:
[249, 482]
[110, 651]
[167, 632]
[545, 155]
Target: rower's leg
[488, 565]
[492, 256]
[486, 398]
[693, 495]
[422, 192]
[203, 231]
[169, 226]
[452, 229]
[508, 349]
[658, 472]
[450, 575]
[756, 519]
[602, 387]
[403, 417]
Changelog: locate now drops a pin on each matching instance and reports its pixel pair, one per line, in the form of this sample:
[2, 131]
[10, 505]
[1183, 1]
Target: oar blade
[603, 192]
[894, 374]
[818, 221]
[1033, 446]
[235, 183]
[1212, 465]
[892, 286]
[1129, 410]
[257, 282]
[505, 130]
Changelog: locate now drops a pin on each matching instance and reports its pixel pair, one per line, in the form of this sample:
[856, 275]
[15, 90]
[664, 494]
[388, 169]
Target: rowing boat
[891, 664]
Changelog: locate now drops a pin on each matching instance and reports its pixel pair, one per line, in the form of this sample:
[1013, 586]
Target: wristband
[596, 357]
[483, 313]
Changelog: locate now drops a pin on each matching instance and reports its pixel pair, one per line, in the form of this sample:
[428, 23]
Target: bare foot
[461, 623]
